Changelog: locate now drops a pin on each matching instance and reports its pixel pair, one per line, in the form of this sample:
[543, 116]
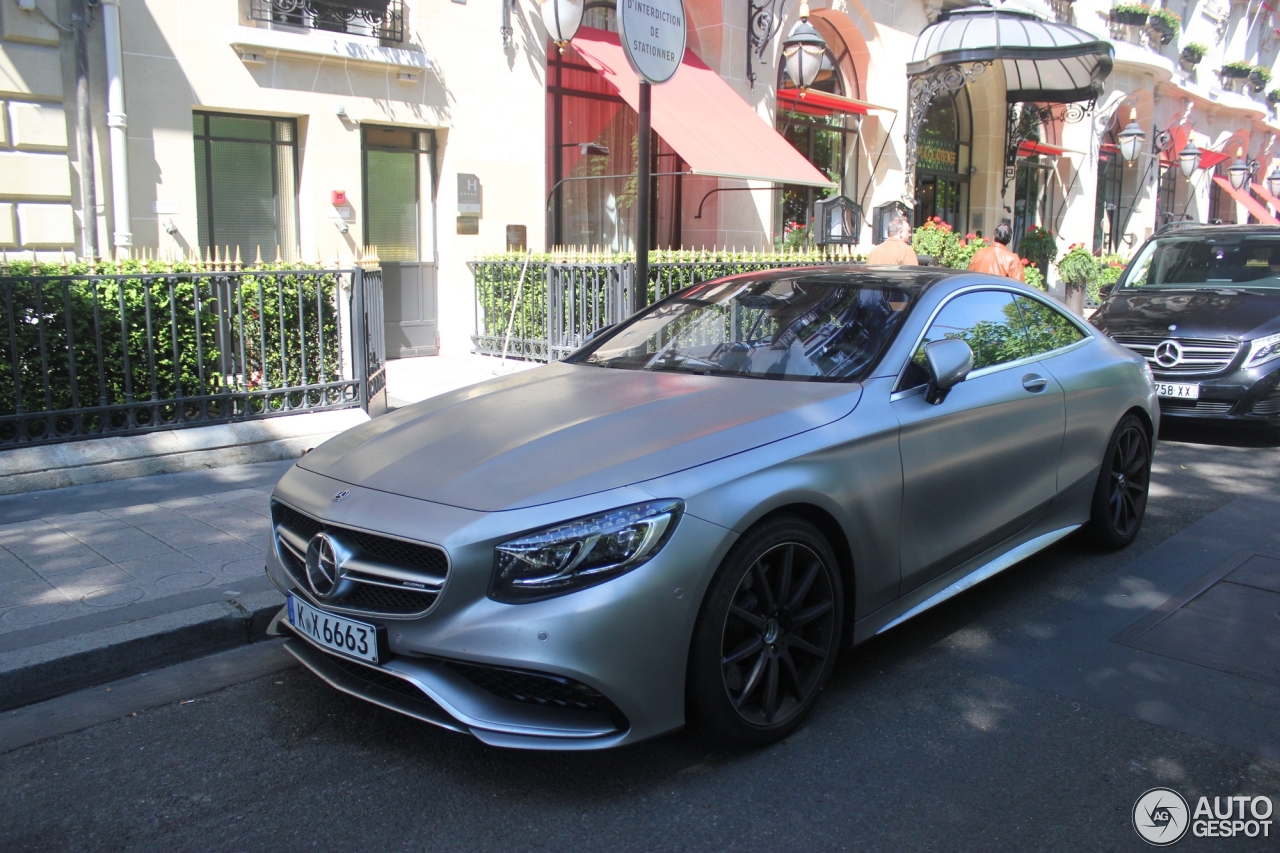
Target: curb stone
[36, 673]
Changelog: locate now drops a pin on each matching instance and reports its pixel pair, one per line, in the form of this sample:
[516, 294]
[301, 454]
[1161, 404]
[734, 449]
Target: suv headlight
[581, 553]
[1263, 350]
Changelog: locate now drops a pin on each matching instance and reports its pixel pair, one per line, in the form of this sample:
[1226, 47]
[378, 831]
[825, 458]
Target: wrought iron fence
[543, 307]
[90, 355]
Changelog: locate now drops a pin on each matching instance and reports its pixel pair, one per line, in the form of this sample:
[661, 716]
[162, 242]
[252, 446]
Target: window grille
[380, 19]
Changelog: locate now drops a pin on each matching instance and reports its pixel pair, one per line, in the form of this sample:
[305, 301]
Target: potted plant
[1039, 246]
[1259, 78]
[1032, 275]
[1078, 270]
[933, 240]
[1193, 53]
[1167, 24]
[1135, 14]
[1273, 97]
[1237, 69]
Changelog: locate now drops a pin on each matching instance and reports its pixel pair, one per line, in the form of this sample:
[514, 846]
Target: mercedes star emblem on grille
[323, 564]
[340, 495]
[1168, 353]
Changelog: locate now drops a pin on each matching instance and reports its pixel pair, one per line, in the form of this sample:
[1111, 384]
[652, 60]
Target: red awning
[1266, 196]
[823, 103]
[708, 125]
[1209, 159]
[1031, 146]
[1251, 203]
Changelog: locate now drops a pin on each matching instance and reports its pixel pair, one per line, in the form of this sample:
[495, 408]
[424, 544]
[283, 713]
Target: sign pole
[644, 201]
[653, 35]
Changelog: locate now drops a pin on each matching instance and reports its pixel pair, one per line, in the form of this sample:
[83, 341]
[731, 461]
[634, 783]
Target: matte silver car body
[918, 501]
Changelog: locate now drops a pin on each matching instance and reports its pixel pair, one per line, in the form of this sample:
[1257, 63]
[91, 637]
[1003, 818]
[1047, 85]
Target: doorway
[399, 221]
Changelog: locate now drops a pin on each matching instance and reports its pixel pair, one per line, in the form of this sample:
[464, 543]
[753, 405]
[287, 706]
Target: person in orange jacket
[996, 259]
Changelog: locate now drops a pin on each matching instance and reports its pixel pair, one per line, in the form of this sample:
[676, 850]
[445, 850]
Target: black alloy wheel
[1120, 499]
[768, 635]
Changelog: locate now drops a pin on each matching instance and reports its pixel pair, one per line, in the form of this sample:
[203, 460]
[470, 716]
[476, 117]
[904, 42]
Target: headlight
[581, 553]
[1263, 350]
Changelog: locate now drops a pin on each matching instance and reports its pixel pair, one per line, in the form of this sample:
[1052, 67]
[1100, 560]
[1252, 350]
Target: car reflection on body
[1202, 305]
[688, 518]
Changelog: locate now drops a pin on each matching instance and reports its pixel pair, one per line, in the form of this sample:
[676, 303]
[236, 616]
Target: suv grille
[1197, 355]
[389, 577]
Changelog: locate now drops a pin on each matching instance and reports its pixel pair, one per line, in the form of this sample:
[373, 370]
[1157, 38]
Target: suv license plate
[1178, 390]
[358, 640]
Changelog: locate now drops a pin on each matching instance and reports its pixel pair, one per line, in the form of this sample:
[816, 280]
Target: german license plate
[1178, 390]
[358, 640]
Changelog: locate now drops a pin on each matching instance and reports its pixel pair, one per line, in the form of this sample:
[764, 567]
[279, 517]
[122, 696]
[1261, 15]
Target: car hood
[1197, 314]
[567, 430]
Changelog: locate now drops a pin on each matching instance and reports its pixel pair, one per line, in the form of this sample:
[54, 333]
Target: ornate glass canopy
[1043, 62]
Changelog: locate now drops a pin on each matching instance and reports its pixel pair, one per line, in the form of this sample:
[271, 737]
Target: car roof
[1217, 230]
[913, 279]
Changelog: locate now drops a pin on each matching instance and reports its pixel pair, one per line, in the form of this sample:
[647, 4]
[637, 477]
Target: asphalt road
[909, 750]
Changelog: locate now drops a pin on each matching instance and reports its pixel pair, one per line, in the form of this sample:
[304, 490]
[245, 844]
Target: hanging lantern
[1273, 181]
[1131, 138]
[562, 19]
[1239, 171]
[1189, 159]
[803, 51]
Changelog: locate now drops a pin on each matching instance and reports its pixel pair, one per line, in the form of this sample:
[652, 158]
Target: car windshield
[1214, 263]
[798, 329]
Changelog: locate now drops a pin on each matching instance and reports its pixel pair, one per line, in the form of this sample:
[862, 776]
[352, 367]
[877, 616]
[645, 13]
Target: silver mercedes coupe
[690, 517]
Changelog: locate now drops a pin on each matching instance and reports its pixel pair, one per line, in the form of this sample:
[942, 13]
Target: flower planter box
[1161, 26]
[1236, 73]
[1137, 19]
[1190, 58]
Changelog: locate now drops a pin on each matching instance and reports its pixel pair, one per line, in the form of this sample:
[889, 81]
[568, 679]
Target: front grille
[1196, 407]
[1199, 355]
[537, 688]
[380, 587]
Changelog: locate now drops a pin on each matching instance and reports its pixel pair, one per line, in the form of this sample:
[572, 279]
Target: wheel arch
[1145, 417]
[836, 537]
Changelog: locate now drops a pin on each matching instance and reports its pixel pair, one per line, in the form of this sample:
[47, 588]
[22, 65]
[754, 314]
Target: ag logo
[1160, 816]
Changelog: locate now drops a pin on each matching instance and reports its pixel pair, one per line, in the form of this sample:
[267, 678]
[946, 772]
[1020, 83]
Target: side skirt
[1009, 558]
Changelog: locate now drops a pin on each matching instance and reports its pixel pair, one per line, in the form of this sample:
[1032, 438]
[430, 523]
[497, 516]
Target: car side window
[1048, 328]
[987, 320]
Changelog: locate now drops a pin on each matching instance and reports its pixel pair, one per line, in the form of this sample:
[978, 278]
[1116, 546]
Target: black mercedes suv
[1202, 305]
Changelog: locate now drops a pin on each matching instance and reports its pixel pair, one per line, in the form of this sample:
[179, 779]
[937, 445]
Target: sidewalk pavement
[103, 581]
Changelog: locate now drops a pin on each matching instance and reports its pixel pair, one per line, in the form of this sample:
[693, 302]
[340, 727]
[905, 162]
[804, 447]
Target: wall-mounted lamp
[1240, 171]
[1189, 159]
[1273, 181]
[1131, 137]
[562, 19]
[803, 50]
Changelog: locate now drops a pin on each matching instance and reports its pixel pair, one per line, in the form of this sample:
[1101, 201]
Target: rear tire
[767, 636]
[1120, 498]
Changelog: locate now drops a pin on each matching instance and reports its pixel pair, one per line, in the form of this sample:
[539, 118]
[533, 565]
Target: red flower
[1025, 262]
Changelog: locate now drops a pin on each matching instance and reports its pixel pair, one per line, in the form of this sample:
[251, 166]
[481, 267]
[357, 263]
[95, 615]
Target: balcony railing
[380, 19]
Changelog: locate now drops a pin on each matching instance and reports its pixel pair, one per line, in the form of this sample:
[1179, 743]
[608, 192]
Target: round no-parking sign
[653, 36]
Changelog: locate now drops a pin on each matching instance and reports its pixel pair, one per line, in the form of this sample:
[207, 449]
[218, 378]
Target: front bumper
[1241, 395]
[623, 644]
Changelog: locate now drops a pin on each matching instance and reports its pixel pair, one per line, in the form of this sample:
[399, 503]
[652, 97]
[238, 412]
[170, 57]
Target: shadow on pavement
[1220, 433]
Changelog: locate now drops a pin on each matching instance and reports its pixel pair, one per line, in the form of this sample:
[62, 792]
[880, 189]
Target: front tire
[1120, 498]
[767, 636]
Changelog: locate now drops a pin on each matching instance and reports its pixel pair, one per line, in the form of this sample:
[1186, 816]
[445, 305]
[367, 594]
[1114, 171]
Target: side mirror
[949, 362]
[1105, 290]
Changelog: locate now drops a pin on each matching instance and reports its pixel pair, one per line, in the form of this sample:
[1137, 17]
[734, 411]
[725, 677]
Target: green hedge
[63, 312]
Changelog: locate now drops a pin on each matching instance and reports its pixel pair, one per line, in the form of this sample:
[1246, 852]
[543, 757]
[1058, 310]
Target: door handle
[1034, 383]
